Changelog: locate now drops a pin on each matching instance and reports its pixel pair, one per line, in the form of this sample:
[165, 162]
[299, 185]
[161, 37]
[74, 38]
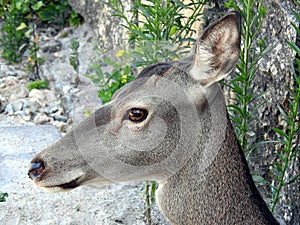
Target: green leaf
[173, 30]
[38, 5]
[3, 196]
[127, 70]
[293, 46]
[285, 116]
[260, 180]
[293, 179]
[280, 132]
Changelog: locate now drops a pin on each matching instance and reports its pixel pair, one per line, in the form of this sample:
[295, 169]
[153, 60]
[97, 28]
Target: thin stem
[246, 72]
[148, 204]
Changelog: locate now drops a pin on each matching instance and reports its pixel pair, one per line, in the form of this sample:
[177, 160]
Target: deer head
[152, 126]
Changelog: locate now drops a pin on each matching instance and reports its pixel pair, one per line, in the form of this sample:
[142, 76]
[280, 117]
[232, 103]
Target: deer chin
[70, 181]
[62, 187]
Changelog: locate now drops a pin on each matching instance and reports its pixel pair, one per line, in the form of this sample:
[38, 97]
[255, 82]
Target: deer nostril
[36, 169]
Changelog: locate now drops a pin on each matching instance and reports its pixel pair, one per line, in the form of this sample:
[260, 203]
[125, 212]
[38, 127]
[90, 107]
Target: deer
[169, 125]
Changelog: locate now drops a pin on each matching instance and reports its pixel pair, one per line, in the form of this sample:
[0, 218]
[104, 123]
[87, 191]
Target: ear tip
[234, 15]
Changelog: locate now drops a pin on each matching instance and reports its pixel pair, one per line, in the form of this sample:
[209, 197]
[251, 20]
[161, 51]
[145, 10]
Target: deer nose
[36, 169]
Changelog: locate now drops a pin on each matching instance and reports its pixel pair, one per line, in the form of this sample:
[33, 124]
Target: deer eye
[137, 115]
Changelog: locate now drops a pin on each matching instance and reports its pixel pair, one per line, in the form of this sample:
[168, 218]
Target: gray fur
[186, 143]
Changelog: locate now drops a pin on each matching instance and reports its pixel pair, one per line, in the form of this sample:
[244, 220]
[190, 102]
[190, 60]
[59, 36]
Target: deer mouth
[70, 185]
[63, 187]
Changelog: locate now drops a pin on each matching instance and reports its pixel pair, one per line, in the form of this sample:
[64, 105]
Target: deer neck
[222, 192]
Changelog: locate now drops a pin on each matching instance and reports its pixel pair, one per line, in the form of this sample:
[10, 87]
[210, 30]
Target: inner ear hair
[217, 50]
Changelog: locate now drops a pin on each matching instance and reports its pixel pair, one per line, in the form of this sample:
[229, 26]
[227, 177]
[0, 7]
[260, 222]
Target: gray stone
[20, 113]
[3, 103]
[23, 93]
[41, 118]
[18, 105]
[51, 46]
[38, 94]
[108, 28]
[61, 126]
[27, 105]
[74, 90]
[9, 109]
[59, 117]
[50, 109]
[66, 89]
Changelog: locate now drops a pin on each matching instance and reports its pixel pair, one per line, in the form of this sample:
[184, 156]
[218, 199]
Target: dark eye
[137, 115]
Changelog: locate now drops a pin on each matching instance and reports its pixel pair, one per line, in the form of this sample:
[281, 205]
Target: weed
[59, 12]
[110, 82]
[253, 14]
[21, 13]
[77, 208]
[153, 39]
[12, 39]
[3, 196]
[74, 60]
[38, 84]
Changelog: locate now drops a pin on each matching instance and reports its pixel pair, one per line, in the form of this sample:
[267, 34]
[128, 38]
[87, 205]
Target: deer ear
[217, 50]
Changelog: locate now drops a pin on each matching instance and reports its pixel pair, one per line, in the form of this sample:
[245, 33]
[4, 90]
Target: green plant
[13, 13]
[290, 134]
[38, 84]
[150, 188]
[110, 82]
[74, 60]
[3, 196]
[59, 12]
[23, 16]
[153, 39]
[253, 14]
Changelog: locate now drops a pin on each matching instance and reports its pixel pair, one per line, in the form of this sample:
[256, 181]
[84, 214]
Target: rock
[38, 102]
[41, 118]
[3, 103]
[59, 117]
[50, 109]
[66, 89]
[35, 93]
[11, 80]
[9, 109]
[67, 105]
[51, 46]
[20, 113]
[27, 105]
[23, 93]
[10, 70]
[74, 90]
[2, 85]
[18, 106]
[61, 126]
[108, 28]
[4, 69]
